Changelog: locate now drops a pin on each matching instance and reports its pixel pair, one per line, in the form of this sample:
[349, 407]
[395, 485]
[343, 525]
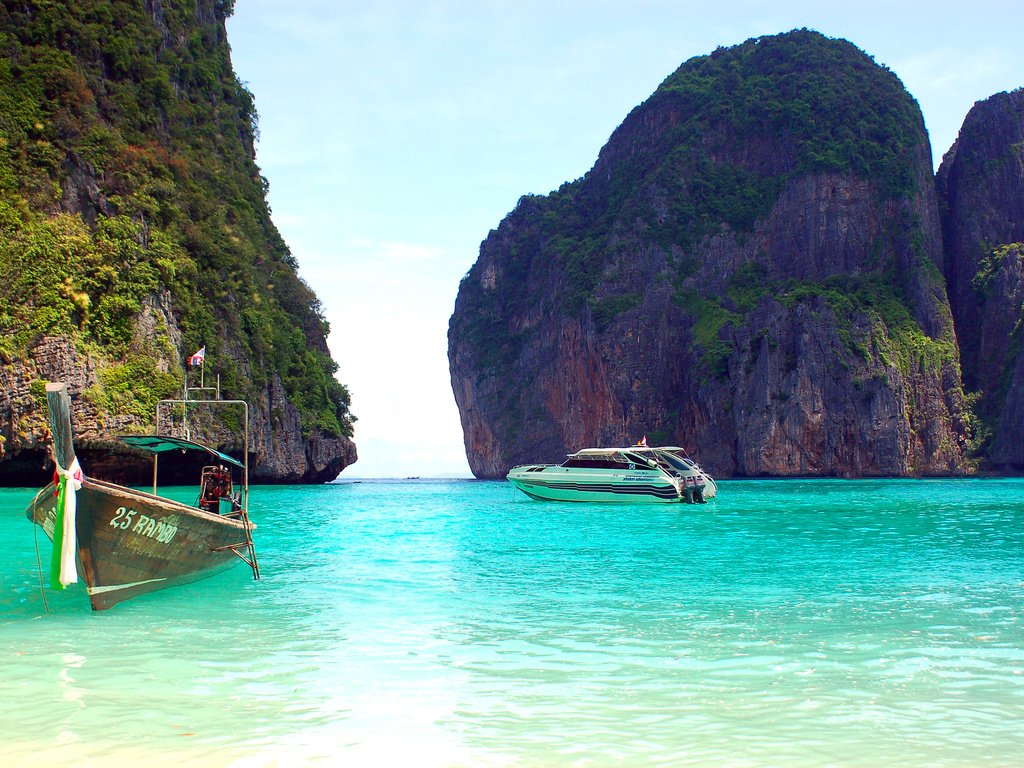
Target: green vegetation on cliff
[709, 153]
[750, 118]
[895, 339]
[824, 103]
[740, 123]
[127, 172]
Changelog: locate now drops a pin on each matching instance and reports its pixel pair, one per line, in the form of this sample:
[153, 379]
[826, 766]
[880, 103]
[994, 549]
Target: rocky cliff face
[133, 230]
[750, 270]
[279, 450]
[981, 185]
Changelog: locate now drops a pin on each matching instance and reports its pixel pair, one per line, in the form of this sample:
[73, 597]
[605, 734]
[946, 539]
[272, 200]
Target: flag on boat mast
[198, 357]
[642, 441]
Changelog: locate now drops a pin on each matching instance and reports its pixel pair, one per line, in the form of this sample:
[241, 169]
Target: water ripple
[797, 623]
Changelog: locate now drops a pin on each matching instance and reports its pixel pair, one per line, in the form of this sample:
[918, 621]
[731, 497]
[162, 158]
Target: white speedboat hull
[555, 483]
[636, 475]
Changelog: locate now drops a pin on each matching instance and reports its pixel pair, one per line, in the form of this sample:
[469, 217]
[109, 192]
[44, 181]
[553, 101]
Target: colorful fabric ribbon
[64, 563]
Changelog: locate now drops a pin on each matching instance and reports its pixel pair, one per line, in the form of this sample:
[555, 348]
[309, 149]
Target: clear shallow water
[789, 623]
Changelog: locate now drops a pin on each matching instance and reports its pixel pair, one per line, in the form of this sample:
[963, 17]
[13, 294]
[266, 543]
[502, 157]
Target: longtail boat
[129, 542]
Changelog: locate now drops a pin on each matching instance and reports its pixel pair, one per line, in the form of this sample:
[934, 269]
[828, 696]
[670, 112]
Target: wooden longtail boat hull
[131, 542]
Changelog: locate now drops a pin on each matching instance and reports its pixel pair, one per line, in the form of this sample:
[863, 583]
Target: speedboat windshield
[606, 459]
[677, 462]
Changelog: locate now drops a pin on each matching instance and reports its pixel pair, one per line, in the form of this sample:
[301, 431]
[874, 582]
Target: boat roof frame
[597, 452]
[185, 401]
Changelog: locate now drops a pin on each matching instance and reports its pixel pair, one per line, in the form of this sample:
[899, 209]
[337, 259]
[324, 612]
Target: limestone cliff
[750, 270]
[133, 230]
[981, 185]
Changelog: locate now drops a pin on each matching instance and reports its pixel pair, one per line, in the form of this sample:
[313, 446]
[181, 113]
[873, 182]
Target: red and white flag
[198, 357]
[643, 441]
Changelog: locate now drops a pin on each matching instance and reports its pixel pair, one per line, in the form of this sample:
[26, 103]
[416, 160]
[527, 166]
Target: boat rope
[39, 567]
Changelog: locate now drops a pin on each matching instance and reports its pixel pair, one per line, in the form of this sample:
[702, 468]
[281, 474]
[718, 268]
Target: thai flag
[198, 357]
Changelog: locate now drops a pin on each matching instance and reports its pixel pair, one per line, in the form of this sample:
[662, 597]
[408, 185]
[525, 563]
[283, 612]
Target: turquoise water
[789, 623]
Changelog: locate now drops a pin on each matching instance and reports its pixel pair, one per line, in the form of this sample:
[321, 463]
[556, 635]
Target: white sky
[396, 135]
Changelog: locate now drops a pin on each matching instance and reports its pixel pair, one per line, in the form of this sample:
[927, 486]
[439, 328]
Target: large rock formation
[981, 185]
[133, 230]
[751, 270]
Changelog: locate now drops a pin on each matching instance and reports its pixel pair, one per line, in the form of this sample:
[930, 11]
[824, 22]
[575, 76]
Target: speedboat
[638, 474]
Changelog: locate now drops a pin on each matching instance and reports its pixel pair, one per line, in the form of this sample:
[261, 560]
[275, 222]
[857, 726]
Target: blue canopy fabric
[162, 443]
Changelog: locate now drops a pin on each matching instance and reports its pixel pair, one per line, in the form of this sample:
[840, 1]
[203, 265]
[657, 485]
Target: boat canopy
[163, 443]
[607, 458]
[601, 451]
[638, 449]
[673, 455]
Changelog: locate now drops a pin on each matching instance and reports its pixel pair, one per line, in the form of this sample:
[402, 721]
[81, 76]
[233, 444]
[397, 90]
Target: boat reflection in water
[638, 474]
